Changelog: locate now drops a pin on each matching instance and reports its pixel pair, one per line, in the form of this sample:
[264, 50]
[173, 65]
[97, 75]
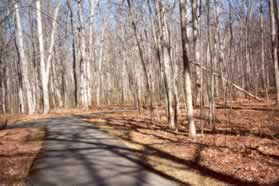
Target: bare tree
[146, 79]
[75, 63]
[100, 64]
[135, 59]
[168, 69]
[25, 83]
[196, 6]
[84, 82]
[186, 70]
[273, 8]
[263, 70]
[45, 63]
[92, 4]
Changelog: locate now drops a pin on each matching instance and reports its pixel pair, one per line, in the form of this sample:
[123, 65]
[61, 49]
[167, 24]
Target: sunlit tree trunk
[219, 47]
[23, 61]
[186, 70]
[196, 38]
[44, 77]
[83, 58]
[45, 63]
[168, 71]
[100, 64]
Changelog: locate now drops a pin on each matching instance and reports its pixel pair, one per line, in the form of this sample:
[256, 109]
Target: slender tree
[25, 83]
[45, 63]
[75, 62]
[273, 8]
[83, 58]
[186, 70]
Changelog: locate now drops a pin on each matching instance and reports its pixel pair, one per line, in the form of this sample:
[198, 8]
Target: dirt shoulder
[18, 149]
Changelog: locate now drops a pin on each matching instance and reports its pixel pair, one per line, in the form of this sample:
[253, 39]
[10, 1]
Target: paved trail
[75, 153]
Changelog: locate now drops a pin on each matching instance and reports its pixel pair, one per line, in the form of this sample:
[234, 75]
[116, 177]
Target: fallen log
[231, 83]
[246, 108]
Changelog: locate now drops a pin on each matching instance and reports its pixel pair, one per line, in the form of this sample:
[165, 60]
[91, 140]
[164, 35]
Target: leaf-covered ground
[18, 149]
[244, 149]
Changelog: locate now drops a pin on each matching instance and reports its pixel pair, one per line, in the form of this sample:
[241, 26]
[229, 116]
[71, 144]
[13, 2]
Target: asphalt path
[76, 153]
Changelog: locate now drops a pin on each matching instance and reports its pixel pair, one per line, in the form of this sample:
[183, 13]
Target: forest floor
[243, 150]
[18, 149]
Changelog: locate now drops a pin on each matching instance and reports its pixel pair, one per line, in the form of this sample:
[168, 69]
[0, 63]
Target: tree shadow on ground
[79, 145]
[129, 125]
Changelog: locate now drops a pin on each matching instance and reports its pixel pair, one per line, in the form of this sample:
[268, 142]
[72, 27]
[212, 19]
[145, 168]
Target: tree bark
[92, 5]
[83, 59]
[100, 64]
[273, 8]
[45, 64]
[75, 71]
[44, 78]
[196, 37]
[211, 59]
[186, 70]
[264, 84]
[23, 61]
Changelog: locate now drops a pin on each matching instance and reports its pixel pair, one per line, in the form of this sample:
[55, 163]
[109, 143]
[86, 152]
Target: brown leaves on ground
[13, 118]
[18, 149]
[244, 149]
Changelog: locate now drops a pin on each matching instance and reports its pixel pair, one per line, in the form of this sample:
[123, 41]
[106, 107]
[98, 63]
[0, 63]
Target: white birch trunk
[44, 78]
[45, 63]
[23, 61]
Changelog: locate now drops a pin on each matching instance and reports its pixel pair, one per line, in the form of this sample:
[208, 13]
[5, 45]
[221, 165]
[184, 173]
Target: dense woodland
[148, 53]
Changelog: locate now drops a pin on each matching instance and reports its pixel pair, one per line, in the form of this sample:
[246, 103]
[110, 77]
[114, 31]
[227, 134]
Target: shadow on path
[191, 165]
[76, 153]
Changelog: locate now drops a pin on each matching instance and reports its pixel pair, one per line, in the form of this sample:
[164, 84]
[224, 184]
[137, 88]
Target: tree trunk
[196, 38]
[273, 8]
[211, 59]
[83, 59]
[23, 62]
[45, 64]
[263, 74]
[186, 70]
[75, 71]
[100, 64]
[44, 77]
[92, 4]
